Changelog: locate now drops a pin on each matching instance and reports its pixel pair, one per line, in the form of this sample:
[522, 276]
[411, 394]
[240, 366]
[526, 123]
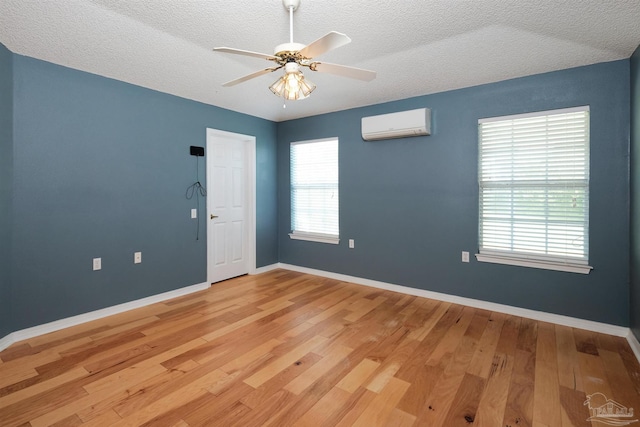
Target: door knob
[214, 216]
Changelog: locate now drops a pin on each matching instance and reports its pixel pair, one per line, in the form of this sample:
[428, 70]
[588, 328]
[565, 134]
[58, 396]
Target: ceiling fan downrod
[291, 6]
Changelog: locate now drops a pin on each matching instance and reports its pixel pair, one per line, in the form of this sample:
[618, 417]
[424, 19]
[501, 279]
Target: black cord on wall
[196, 189]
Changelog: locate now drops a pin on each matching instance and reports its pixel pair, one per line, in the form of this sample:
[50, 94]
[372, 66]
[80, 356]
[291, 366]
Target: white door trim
[250, 203]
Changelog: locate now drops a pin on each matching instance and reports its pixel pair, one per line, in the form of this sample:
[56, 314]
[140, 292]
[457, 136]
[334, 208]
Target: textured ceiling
[416, 47]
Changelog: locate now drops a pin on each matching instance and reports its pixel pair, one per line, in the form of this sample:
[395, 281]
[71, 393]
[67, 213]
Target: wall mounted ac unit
[397, 125]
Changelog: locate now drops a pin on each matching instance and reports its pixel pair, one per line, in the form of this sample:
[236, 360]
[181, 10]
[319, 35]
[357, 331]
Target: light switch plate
[97, 264]
[137, 257]
[194, 213]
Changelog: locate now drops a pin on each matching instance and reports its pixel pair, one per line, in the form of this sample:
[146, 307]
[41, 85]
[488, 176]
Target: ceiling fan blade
[344, 71]
[324, 44]
[250, 76]
[245, 53]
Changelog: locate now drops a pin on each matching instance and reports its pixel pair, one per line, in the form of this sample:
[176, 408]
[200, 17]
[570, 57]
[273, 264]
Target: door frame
[250, 194]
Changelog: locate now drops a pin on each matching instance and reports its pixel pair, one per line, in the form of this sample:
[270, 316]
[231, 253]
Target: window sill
[546, 265]
[333, 240]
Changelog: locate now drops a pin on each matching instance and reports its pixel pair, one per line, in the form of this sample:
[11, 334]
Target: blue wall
[412, 204]
[100, 170]
[634, 295]
[6, 173]
[92, 167]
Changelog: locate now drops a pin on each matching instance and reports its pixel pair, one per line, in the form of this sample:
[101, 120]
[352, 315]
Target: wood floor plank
[569, 375]
[519, 408]
[400, 418]
[247, 358]
[281, 363]
[594, 376]
[37, 405]
[546, 396]
[465, 404]
[357, 407]
[248, 320]
[483, 358]
[494, 396]
[27, 364]
[423, 352]
[106, 419]
[174, 415]
[94, 401]
[311, 375]
[528, 335]
[430, 322]
[96, 404]
[443, 352]
[358, 375]
[380, 408]
[623, 388]
[42, 387]
[574, 411]
[13, 376]
[439, 402]
[285, 348]
[187, 374]
[324, 409]
[225, 406]
[175, 399]
[392, 363]
[268, 388]
[422, 384]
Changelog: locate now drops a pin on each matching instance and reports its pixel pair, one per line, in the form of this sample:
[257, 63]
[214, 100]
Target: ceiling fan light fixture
[292, 85]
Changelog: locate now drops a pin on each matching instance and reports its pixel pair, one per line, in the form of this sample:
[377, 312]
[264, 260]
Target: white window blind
[314, 190]
[534, 188]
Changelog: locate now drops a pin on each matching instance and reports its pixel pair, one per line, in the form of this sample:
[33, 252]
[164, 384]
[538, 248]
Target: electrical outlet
[352, 244]
[194, 213]
[97, 264]
[465, 256]
[137, 257]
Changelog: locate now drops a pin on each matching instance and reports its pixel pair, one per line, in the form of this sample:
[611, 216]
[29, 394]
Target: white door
[228, 200]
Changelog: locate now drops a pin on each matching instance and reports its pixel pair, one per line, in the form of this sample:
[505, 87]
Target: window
[314, 191]
[533, 176]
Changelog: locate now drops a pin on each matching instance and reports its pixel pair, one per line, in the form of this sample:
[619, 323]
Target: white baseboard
[559, 319]
[97, 314]
[573, 322]
[266, 269]
[6, 341]
[634, 344]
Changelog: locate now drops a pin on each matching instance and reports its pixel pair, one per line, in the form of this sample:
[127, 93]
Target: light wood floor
[285, 348]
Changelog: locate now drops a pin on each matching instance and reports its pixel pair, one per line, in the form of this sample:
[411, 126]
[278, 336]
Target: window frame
[312, 236]
[564, 263]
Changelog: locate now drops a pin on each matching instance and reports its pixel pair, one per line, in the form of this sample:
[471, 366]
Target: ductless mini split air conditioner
[397, 125]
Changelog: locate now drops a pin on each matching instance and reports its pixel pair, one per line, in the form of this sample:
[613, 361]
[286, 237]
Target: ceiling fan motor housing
[288, 49]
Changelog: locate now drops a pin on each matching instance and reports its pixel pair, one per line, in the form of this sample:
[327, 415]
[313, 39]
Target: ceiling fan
[293, 56]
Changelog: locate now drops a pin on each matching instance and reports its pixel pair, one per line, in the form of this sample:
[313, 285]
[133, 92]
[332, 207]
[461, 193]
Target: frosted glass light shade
[292, 86]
